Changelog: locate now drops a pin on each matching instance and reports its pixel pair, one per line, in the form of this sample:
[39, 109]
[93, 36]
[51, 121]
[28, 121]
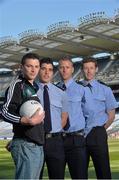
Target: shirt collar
[41, 85]
[92, 82]
[34, 85]
[69, 82]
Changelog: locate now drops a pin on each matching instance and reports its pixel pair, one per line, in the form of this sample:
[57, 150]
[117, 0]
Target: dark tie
[89, 85]
[64, 87]
[68, 122]
[47, 120]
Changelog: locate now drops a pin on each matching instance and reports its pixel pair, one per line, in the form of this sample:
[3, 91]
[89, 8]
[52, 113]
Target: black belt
[75, 133]
[96, 127]
[51, 135]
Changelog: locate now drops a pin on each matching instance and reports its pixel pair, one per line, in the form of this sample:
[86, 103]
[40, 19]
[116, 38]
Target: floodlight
[95, 17]
[30, 35]
[59, 27]
[7, 40]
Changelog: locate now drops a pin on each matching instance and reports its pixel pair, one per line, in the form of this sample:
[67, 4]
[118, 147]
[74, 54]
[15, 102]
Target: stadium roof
[95, 33]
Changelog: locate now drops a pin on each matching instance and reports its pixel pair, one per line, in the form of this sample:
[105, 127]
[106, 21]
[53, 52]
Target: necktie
[47, 120]
[89, 85]
[68, 122]
[64, 87]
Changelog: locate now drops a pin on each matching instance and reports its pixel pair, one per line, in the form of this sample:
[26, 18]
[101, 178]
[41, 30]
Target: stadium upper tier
[108, 73]
[107, 68]
[94, 33]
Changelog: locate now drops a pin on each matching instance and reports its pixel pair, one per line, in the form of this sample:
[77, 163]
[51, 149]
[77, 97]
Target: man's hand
[111, 116]
[64, 117]
[35, 119]
[8, 145]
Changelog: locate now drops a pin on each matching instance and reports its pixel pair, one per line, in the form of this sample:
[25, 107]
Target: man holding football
[26, 147]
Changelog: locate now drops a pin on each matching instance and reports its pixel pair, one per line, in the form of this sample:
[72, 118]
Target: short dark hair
[89, 59]
[66, 58]
[46, 61]
[29, 56]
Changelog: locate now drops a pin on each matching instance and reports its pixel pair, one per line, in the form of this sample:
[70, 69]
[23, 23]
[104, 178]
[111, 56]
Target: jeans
[28, 158]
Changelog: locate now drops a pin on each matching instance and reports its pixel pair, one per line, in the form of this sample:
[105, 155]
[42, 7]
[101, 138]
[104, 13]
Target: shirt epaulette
[101, 82]
[81, 83]
[57, 85]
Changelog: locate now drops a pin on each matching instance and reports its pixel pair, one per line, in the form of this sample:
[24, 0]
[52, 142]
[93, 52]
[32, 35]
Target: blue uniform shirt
[75, 93]
[58, 104]
[98, 100]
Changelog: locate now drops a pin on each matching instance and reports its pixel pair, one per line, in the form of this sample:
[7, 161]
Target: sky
[17, 16]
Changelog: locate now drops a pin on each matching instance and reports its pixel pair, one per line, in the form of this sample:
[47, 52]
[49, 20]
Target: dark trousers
[75, 156]
[54, 157]
[97, 149]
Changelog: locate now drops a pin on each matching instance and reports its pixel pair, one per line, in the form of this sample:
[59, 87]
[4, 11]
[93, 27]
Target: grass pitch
[7, 165]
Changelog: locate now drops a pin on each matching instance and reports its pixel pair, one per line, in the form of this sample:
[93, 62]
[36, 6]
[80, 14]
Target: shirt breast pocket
[75, 99]
[100, 102]
[75, 105]
[56, 105]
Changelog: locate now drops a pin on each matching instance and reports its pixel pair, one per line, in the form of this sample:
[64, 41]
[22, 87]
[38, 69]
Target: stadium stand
[95, 33]
[113, 131]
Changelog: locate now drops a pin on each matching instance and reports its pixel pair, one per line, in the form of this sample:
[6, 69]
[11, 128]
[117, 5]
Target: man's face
[66, 69]
[31, 68]
[89, 70]
[46, 73]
